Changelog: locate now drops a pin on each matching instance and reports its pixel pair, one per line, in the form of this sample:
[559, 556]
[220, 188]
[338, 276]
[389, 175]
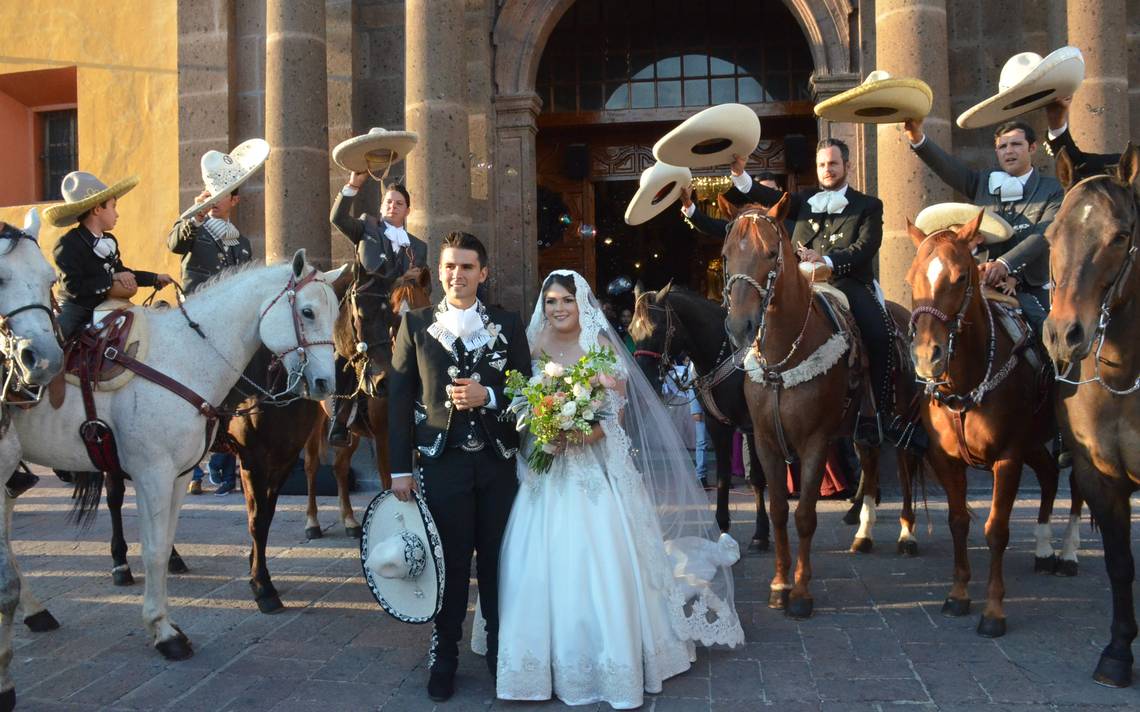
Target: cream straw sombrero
[1028, 82]
[377, 150]
[223, 173]
[81, 192]
[880, 99]
[711, 137]
[947, 216]
[660, 187]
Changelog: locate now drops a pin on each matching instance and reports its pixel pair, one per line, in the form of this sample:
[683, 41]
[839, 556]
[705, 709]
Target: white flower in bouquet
[581, 391]
[553, 369]
[570, 409]
[587, 415]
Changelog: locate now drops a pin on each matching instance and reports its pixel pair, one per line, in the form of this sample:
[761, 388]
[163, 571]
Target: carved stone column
[911, 42]
[1099, 114]
[296, 126]
[439, 178]
[514, 249]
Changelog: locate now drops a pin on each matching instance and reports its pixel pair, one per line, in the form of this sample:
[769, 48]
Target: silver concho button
[453, 371]
[476, 377]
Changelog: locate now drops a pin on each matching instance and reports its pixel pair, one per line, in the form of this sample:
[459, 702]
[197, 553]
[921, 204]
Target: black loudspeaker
[797, 157]
[576, 161]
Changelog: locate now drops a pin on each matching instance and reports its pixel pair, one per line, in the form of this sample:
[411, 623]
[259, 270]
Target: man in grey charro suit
[377, 240]
[1026, 199]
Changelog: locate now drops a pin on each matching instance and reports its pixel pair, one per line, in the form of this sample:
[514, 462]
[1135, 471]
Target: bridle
[13, 383]
[277, 362]
[361, 356]
[1113, 296]
[665, 372]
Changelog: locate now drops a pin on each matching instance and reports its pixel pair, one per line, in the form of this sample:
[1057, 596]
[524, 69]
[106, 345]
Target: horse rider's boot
[20, 482]
[868, 430]
[338, 433]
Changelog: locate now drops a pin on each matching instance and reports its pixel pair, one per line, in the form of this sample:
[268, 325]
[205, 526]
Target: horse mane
[226, 275]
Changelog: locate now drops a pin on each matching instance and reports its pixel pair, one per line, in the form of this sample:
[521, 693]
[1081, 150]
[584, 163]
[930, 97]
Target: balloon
[619, 285]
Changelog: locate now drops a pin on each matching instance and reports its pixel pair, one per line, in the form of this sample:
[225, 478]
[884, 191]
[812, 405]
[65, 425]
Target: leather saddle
[121, 329]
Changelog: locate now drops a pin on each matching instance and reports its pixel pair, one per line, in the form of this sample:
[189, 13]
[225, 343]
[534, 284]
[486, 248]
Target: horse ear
[299, 263]
[663, 292]
[728, 209]
[342, 281]
[1065, 172]
[424, 280]
[32, 223]
[779, 211]
[916, 233]
[969, 231]
[1129, 168]
[334, 274]
[638, 290]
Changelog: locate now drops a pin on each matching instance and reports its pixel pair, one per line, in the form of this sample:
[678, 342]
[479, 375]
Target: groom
[446, 402]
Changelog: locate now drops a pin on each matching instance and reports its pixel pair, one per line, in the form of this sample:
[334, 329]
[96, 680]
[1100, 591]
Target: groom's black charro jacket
[425, 360]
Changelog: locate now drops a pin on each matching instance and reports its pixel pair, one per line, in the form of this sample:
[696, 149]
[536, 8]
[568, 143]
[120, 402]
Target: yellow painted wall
[126, 52]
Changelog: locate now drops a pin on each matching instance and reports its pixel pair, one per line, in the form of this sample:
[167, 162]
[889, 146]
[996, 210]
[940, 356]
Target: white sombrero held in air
[948, 216]
[377, 150]
[661, 185]
[81, 192]
[711, 137]
[1028, 82]
[223, 173]
[402, 557]
[880, 99]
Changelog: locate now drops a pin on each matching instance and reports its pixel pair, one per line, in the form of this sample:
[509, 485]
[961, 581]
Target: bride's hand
[577, 437]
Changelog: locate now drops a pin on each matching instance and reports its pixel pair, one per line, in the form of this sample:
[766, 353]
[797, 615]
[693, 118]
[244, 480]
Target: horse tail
[88, 490]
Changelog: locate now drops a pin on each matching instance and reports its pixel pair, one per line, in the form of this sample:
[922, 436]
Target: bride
[610, 570]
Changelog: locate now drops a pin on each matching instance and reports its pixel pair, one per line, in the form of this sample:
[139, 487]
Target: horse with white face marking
[30, 356]
[290, 308]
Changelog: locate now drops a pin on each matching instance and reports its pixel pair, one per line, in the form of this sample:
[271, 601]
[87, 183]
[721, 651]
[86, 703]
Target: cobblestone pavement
[876, 642]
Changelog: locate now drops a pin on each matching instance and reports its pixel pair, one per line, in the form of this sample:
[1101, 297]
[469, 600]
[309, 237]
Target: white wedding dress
[595, 604]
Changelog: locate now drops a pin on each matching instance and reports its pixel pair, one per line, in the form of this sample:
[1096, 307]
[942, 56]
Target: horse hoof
[177, 566]
[122, 576]
[41, 622]
[8, 700]
[778, 599]
[1045, 564]
[908, 547]
[177, 648]
[1112, 672]
[270, 605]
[799, 608]
[991, 627]
[353, 532]
[759, 546]
[956, 607]
[852, 516]
[1066, 568]
[313, 533]
[862, 545]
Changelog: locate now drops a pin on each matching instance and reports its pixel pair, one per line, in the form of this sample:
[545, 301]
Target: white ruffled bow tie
[398, 236]
[463, 323]
[104, 247]
[828, 201]
[1006, 187]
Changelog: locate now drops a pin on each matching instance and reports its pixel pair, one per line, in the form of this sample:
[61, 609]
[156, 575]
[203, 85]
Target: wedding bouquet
[558, 400]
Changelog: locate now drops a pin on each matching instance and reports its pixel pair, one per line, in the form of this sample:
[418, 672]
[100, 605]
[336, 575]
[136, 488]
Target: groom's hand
[468, 394]
[403, 487]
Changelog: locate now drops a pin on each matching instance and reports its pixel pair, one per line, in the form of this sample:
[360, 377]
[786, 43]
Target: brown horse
[1092, 329]
[411, 291]
[805, 353]
[988, 406]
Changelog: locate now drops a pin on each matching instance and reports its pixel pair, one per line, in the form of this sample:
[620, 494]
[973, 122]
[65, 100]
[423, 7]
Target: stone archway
[520, 34]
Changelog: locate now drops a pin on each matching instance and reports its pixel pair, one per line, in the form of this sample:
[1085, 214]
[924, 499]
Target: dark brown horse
[675, 321]
[806, 379]
[410, 291]
[1093, 341]
[988, 405]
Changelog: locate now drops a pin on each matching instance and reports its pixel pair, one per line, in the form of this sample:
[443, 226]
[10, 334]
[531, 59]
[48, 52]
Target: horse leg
[10, 591]
[378, 413]
[120, 569]
[341, 468]
[1045, 467]
[757, 481]
[812, 467]
[260, 515]
[1007, 478]
[721, 437]
[952, 475]
[869, 461]
[156, 510]
[1108, 500]
[313, 450]
[1068, 565]
[909, 468]
[36, 617]
[773, 468]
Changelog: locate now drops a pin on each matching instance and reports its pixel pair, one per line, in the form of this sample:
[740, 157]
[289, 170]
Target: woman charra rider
[87, 256]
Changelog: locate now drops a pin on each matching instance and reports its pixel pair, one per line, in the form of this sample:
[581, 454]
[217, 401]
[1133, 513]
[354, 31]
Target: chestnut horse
[988, 405]
[1092, 331]
[410, 291]
[806, 379]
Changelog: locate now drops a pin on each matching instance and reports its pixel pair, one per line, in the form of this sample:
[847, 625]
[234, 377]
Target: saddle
[121, 329]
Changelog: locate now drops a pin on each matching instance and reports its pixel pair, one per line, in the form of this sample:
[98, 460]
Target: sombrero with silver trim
[947, 216]
[223, 173]
[660, 187]
[711, 137]
[82, 191]
[402, 557]
[379, 149]
[1028, 82]
[880, 99]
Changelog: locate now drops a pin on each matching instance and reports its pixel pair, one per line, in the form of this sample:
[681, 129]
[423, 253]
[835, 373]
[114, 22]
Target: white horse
[30, 356]
[290, 308]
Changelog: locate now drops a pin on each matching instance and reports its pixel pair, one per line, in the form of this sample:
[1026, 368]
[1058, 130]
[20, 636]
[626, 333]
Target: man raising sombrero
[87, 256]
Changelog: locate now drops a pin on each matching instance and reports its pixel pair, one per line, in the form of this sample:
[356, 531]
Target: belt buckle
[110, 353]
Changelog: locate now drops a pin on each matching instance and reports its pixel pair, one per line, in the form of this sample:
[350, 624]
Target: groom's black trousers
[470, 497]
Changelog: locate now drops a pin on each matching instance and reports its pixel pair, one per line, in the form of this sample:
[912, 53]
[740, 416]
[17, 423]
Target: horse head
[657, 336]
[1092, 250]
[28, 336]
[943, 279]
[755, 248]
[297, 327]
